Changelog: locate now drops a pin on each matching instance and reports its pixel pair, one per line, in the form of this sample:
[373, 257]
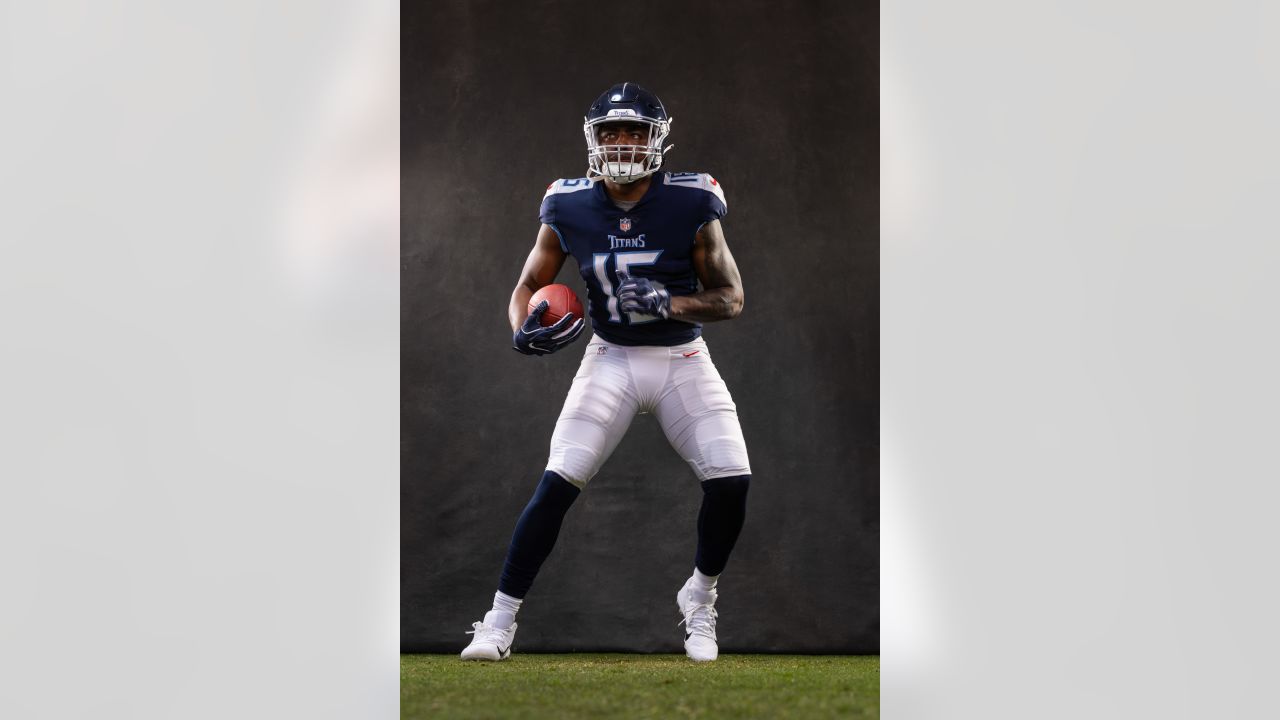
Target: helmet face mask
[636, 152]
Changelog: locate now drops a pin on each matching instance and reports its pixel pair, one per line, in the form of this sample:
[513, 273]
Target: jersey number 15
[622, 263]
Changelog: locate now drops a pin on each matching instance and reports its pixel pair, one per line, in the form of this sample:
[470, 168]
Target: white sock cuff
[704, 582]
[506, 603]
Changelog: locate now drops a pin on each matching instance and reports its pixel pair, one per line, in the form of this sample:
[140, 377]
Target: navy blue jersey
[653, 240]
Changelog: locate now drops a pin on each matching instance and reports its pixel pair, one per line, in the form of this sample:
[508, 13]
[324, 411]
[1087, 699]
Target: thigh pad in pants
[596, 414]
[699, 417]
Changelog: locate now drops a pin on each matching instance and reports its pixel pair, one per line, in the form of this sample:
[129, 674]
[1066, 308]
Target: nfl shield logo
[624, 224]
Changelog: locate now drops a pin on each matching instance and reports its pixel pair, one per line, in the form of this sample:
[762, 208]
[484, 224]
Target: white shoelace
[701, 620]
[486, 633]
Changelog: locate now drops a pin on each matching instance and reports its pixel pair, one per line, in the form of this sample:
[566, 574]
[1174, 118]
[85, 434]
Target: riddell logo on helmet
[617, 112]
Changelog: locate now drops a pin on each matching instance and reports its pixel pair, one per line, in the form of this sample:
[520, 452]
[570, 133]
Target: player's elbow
[736, 300]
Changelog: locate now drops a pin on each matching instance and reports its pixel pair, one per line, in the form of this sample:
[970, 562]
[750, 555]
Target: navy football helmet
[621, 160]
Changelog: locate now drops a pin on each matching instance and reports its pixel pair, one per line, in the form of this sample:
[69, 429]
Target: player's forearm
[518, 309]
[707, 306]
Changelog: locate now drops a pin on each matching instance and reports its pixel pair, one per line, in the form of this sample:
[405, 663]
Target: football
[561, 299]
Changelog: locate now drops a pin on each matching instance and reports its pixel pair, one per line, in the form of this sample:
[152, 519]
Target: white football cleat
[489, 643]
[698, 608]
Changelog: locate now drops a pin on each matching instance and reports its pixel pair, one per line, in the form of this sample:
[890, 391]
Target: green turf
[640, 686]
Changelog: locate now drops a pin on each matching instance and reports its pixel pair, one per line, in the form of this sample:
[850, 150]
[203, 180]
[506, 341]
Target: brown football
[561, 299]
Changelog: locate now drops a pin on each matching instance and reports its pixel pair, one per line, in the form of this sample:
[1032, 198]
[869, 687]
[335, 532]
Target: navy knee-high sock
[724, 507]
[536, 533]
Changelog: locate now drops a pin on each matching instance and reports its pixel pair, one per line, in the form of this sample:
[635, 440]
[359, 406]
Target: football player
[652, 252]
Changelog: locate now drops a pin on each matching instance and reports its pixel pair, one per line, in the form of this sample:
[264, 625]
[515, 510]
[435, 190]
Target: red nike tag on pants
[695, 352]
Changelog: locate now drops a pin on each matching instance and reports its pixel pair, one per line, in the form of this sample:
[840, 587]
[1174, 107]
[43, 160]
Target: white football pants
[679, 385]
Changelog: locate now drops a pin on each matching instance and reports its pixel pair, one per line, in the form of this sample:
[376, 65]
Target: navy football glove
[638, 295]
[533, 339]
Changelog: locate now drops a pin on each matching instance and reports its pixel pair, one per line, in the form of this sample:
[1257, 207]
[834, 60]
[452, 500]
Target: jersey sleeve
[717, 206]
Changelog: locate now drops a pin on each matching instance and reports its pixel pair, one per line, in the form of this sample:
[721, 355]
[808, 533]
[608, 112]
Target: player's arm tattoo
[540, 269]
[721, 296]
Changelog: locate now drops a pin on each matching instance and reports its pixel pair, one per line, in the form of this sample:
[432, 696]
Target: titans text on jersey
[654, 240]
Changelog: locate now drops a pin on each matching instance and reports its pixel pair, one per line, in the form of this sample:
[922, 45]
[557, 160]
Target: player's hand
[638, 295]
[533, 339]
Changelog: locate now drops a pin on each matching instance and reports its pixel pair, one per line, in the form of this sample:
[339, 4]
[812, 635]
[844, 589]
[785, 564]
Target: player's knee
[555, 491]
[733, 487]
[725, 456]
[574, 463]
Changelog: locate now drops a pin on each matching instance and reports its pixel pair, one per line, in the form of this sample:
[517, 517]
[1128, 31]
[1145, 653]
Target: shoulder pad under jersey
[702, 181]
[568, 186]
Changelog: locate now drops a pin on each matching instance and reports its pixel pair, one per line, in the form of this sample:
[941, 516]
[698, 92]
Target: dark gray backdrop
[779, 101]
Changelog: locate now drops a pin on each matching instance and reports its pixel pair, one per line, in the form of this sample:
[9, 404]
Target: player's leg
[535, 535]
[700, 420]
[596, 414]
